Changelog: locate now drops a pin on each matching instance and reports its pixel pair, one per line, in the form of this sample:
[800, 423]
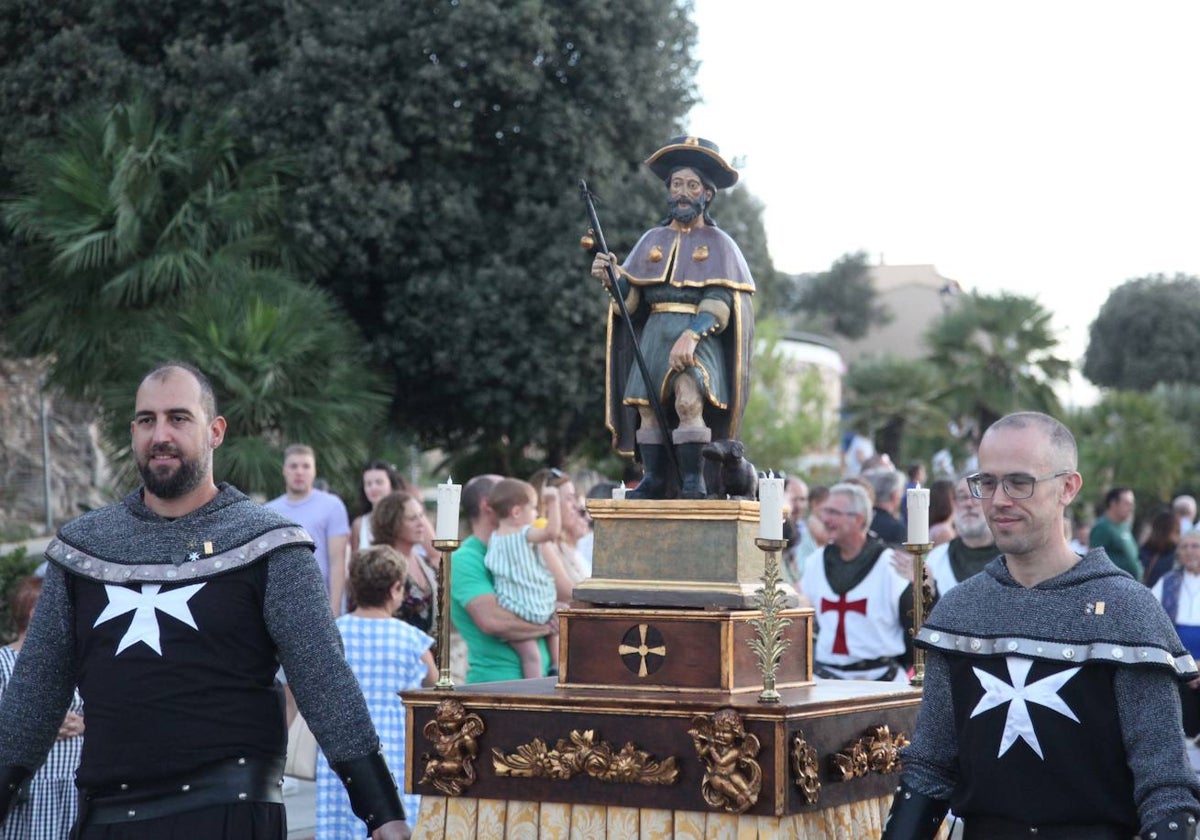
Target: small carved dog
[733, 477]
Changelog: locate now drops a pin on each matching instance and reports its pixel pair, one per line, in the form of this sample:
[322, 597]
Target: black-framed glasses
[1016, 485]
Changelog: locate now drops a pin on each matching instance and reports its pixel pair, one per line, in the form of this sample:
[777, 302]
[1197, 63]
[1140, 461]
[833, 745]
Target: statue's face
[686, 195]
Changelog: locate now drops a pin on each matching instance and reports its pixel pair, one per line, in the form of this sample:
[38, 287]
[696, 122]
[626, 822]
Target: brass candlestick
[918, 552]
[447, 548]
[769, 643]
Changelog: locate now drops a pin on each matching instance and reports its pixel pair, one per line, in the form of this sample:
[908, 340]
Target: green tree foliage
[126, 214]
[439, 147]
[787, 412]
[1182, 404]
[841, 300]
[1130, 439]
[996, 355]
[152, 243]
[739, 213]
[1147, 332]
[888, 399]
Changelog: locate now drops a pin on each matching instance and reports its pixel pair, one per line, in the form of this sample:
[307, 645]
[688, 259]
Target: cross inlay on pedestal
[642, 641]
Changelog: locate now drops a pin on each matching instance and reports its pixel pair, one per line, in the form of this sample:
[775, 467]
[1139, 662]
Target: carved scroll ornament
[878, 751]
[583, 755]
[806, 769]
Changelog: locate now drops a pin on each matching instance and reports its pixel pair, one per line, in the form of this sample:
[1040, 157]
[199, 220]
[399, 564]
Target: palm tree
[283, 363]
[996, 355]
[152, 243]
[124, 217]
[890, 397]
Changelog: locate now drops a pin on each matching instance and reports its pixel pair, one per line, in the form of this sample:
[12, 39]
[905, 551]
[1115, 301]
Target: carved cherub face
[726, 726]
[449, 715]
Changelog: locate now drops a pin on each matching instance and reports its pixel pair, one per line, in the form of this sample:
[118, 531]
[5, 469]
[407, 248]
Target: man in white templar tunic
[860, 599]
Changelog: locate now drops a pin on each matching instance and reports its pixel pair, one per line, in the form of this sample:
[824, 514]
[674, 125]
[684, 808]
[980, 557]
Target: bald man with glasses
[1050, 705]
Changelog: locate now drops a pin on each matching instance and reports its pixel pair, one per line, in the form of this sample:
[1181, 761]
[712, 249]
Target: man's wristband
[695, 336]
[374, 797]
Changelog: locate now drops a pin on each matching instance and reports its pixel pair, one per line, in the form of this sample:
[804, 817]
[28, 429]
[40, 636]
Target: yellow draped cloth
[496, 819]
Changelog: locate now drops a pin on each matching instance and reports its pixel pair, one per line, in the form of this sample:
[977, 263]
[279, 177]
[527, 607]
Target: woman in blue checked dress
[47, 810]
[387, 656]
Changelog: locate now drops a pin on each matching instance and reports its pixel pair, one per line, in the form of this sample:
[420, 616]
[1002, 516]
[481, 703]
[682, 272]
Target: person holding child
[387, 656]
[524, 586]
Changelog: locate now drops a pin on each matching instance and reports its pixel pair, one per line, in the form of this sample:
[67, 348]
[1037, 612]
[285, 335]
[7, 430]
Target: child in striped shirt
[524, 586]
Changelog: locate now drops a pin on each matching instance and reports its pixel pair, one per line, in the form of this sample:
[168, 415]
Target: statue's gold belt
[684, 308]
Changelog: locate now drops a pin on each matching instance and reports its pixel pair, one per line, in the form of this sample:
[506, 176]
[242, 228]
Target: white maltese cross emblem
[144, 627]
[1044, 692]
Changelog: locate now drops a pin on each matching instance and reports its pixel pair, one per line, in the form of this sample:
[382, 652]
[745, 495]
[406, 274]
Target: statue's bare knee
[689, 403]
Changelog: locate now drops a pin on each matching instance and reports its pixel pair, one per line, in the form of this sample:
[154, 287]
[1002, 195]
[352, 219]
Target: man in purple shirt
[322, 514]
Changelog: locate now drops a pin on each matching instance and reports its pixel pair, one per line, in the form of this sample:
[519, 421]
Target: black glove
[914, 816]
[374, 797]
[11, 780]
[1181, 826]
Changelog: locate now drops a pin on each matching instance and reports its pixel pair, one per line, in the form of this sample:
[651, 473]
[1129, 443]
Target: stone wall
[78, 470]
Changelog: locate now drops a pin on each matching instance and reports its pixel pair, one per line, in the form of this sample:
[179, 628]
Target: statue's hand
[683, 352]
[600, 270]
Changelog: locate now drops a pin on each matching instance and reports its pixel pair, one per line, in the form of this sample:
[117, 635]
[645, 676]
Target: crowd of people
[268, 615]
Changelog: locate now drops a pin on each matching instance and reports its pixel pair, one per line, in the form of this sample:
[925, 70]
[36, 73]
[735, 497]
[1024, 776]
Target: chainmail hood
[1092, 612]
[129, 543]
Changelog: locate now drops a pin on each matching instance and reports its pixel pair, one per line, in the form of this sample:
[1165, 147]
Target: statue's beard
[685, 210]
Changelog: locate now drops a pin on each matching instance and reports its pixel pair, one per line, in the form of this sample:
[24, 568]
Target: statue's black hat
[697, 153]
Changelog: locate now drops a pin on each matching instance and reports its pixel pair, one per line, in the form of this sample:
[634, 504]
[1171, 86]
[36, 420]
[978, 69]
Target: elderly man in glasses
[861, 600]
[1050, 706]
[971, 549]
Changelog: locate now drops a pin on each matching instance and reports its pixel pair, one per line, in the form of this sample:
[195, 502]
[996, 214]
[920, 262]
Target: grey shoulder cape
[129, 543]
[1094, 612]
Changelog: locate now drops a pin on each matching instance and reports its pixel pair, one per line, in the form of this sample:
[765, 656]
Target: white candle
[619, 492]
[447, 510]
[770, 508]
[918, 516]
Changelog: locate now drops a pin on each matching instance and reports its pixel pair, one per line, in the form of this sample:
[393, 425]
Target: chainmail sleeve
[300, 621]
[1164, 783]
[43, 682]
[930, 760]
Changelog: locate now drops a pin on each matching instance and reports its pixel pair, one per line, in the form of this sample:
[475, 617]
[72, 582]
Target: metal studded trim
[85, 565]
[1057, 651]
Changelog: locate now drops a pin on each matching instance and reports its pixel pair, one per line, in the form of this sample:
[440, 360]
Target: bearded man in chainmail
[172, 611]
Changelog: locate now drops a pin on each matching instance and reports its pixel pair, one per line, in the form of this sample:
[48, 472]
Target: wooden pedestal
[675, 554]
[657, 709]
[538, 742]
[680, 649]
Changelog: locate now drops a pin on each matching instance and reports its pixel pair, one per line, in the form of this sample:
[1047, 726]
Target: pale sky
[1050, 148]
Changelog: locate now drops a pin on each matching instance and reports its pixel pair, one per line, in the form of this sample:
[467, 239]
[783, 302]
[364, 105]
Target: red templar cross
[841, 606]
